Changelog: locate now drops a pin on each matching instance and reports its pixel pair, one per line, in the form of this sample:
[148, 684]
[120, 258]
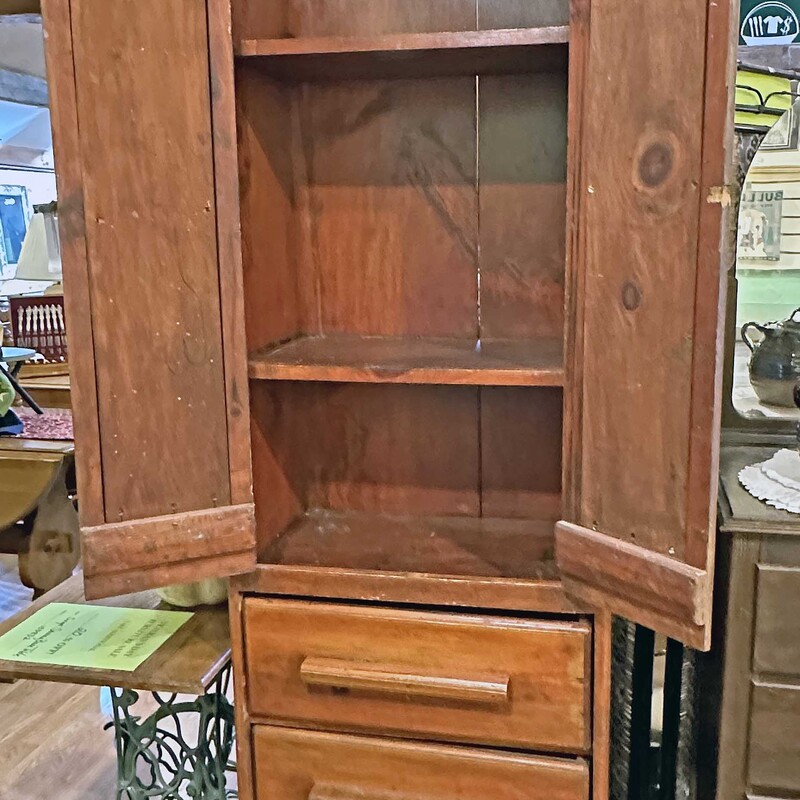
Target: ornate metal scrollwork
[181, 750]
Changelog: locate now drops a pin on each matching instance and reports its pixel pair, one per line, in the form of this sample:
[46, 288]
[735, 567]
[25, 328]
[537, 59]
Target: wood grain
[389, 61]
[522, 168]
[774, 742]
[244, 732]
[547, 663]
[272, 299]
[163, 224]
[624, 578]
[187, 662]
[160, 551]
[25, 477]
[430, 360]
[398, 156]
[776, 645]
[522, 13]
[446, 591]
[367, 447]
[229, 249]
[347, 767]
[399, 682]
[521, 435]
[40, 749]
[402, 43]
[632, 292]
[716, 250]
[301, 18]
[601, 706]
[735, 630]
[457, 546]
[74, 257]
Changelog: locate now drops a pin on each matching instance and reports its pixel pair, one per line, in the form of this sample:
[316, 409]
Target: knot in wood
[631, 296]
[656, 163]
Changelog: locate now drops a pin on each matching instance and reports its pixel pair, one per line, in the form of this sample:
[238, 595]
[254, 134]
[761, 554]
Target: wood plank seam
[67, 145]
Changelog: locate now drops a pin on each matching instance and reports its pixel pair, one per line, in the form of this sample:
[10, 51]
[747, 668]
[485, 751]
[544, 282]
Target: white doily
[775, 481]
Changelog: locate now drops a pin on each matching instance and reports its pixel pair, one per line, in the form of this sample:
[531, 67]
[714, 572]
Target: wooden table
[38, 521]
[194, 661]
[16, 357]
[753, 673]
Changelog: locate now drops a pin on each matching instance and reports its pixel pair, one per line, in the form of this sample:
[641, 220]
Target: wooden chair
[38, 323]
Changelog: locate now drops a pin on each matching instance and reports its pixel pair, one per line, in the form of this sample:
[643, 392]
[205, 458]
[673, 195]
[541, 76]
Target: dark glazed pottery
[775, 360]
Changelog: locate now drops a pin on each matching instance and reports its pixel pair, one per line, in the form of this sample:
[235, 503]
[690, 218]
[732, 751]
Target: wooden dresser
[755, 664]
[406, 314]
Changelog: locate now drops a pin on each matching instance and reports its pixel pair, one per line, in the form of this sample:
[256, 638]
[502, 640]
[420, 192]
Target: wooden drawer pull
[339, 674]
[338, 791]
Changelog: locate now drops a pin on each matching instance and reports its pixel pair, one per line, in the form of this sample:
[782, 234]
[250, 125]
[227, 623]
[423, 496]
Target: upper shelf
[374, 359]
[412, 54]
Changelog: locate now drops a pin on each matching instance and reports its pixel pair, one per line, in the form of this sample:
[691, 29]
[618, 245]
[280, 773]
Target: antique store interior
[399, 399]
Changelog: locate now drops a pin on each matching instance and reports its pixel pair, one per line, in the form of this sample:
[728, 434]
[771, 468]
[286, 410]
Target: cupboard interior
[403, 255]
[278, 19]
[457, 480]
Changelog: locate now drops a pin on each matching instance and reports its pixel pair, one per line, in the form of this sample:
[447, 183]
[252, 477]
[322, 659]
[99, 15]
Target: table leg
[22, 392]
[181, 750]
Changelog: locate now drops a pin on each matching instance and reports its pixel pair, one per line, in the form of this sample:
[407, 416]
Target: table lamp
[40, 258]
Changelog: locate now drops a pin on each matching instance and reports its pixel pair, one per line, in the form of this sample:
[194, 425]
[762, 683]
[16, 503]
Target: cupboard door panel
[301, 765]
[643, 393]
[152, 259]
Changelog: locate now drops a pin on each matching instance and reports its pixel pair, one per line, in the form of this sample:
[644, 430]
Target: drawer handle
[339, 674]
[340, 791]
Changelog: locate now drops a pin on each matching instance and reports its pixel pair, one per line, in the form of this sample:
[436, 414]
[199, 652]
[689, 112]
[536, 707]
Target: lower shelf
[455, 546]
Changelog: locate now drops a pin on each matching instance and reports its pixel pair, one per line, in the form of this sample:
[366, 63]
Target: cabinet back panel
[398, 196]
[152, 254]
[419, 450]
[390, 449]
[387, 200]
[521, 453]
[523, 206]
[500, 14]
[295, 18]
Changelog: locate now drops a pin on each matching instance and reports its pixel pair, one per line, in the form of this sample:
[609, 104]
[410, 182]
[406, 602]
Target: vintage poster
[760, 225]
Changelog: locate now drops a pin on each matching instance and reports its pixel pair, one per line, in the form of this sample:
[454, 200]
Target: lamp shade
[40, 258]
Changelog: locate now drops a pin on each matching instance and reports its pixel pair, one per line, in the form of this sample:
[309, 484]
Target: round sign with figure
[770, 23]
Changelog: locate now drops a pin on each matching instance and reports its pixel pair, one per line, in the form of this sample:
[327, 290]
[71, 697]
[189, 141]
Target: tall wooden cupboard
[405, 313]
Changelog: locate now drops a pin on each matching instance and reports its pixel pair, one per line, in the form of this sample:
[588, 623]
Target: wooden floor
[13, 595]
[52, 742]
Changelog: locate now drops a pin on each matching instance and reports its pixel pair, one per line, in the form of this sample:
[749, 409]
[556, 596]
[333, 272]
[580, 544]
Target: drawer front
[777, 635]
[774, 762]
[306, 765]
[482, 679]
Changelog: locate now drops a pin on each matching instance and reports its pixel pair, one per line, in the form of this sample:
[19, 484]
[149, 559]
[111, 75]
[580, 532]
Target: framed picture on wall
[15, 214]
[760, 224]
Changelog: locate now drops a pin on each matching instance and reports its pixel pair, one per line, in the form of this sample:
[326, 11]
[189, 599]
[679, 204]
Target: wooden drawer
[777, 634]
[307, 765]
[484, 679]
[774, 762]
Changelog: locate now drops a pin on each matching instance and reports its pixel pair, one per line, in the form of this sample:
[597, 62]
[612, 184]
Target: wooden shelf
[358, 359]
[412, 54]
[455, 546]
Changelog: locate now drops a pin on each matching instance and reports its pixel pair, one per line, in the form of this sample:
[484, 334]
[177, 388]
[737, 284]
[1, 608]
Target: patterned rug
[54, 425]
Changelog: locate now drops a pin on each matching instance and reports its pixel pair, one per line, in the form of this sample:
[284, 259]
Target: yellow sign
[95, 637]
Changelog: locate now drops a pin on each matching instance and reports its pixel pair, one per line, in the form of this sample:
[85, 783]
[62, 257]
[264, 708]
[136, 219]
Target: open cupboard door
[649, 169]
[143, 125]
